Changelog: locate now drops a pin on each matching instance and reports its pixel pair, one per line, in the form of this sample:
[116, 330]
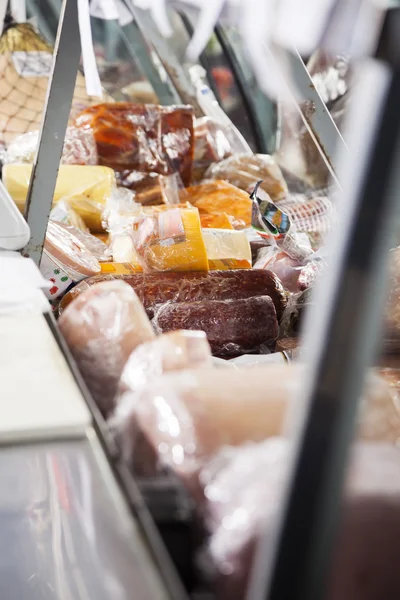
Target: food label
[58, 278]
[33, 63]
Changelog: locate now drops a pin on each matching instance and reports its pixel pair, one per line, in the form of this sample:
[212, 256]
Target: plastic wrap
[170, 240]
[79, 148]
[158, 288]
[211, 145]
[187, 417]
[241, 503]
[65, 214]
[151, 189]
[217, 221]
[244, 171]
[293, 316]
[95, 246]
[221, 198]
[86, 188]
[227, 249]
[392, 312]
[309, 215]
[233, 327]
[175, 351]
[287, 269]
[142, 137]
[102, 327]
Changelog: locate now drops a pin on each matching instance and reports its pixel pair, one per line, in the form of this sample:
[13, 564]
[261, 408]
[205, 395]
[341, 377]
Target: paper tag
[33, 63]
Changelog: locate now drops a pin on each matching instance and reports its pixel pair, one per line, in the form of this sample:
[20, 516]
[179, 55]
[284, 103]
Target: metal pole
[341, 337]
[67, 52]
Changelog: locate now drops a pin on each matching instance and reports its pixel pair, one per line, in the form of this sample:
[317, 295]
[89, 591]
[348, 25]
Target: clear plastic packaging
[244, 171]
[240, 503]
[102, 327]
[309, 215]
[187, 417]
[79, 148]
[142, 137]
[286, 268]
[175, 351]
[233, 327]
[392, 312]
[70, 252]
[95, 246]
[170, 240]
[158, 288]
[65, 214]
[227, 249]
[210, 145]
[221, 198]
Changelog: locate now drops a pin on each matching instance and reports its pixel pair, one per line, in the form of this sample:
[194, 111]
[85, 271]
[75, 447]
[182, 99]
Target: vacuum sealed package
[65, 260]
[142, 137]
[392, 311]
[151, 189]
[245, 170]
[175, 351]
[211, 145]
[233, 327]
[280, 263]
[227, 249]
[158, 288]
[309, 215]
[65, 214]
[240, 505]
[102, 327]
[95, 246]
[86, 188]
[79, 148]
[170, 240]
[187, 417]
[25, 67]
[220, 198]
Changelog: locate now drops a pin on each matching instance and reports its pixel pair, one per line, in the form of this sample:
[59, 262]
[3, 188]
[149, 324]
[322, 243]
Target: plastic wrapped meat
[244, 171]
[309, 215]
[150, 189]
[219, 197]
[95, 246]
[174, 351]
[241, 504]
[187, 417]
[210, 145]
[392, 312]
[102, 327]
[142, 137]
[158, 288]
[170, 240]
[286, 268]
[233, 327]
[79, 148]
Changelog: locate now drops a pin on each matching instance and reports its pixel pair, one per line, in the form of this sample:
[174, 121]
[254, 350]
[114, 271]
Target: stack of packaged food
[180, 271]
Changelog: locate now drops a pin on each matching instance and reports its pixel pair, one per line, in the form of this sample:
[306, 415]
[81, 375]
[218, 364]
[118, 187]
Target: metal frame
[67, 52]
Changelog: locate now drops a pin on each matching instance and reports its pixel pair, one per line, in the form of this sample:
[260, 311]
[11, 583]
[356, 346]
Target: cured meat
[102, 327]
[142, 137]
[158, 288]
[233, 327]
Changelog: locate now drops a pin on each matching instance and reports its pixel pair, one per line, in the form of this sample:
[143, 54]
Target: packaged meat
[158, 288]
[240, 504]
[217, 221]
[79, 148]
[243, 171]
[233, 327]
[142, 137]
[211, 145]
[151, 189]
[286, 268]
[66, 260]
[309, 215]
[25, 66]
[227, 249]
[187, 417]
[102, 327]
[219, 197]
[95, 246]
[86, 187]
[170, 240]
[392, 311]
[174, 351]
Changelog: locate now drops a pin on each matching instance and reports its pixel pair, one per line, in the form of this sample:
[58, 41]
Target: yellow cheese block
[171, 240]
[85, 187]
[227, 249]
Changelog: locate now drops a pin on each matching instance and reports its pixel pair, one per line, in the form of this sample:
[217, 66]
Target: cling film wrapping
[170, 240]
[86, 188]
[227, 249]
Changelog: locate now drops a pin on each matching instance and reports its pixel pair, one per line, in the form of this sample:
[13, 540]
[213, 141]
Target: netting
[25, 66]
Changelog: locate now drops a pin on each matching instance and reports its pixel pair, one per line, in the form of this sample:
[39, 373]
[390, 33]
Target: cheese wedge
[227, 249]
